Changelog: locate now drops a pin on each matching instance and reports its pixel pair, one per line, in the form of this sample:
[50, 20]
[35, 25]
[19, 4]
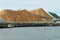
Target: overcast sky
[48, 5]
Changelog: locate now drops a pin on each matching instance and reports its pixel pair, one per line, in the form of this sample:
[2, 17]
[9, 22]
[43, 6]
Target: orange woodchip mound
[24, 15]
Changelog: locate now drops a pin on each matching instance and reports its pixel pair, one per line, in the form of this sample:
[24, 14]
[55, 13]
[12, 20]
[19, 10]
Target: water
[30, 33]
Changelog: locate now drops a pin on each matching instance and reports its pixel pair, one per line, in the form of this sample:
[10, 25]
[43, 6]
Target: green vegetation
[54, 15]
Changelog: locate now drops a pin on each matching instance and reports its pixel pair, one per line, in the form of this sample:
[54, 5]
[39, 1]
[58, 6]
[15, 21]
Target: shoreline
[12, 25]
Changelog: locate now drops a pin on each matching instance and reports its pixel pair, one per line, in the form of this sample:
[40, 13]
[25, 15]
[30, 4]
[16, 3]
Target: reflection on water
[30, 33]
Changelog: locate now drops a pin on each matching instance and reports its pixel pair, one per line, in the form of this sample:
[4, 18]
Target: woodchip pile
[25, 15]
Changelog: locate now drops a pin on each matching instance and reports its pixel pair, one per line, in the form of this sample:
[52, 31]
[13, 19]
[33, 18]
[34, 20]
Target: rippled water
[30, 33]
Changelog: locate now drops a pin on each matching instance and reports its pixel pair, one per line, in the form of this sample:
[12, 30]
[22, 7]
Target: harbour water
[30, 33]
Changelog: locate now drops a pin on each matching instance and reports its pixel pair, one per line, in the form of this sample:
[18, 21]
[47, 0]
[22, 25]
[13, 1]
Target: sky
[48, 5]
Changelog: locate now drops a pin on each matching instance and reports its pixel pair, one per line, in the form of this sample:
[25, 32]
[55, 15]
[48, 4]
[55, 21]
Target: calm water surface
[30, 33]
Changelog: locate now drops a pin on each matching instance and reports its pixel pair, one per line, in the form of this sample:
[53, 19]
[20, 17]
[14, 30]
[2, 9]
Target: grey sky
[48, 5]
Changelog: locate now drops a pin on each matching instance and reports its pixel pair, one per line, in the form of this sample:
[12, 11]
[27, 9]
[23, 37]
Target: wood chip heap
[25, 15]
